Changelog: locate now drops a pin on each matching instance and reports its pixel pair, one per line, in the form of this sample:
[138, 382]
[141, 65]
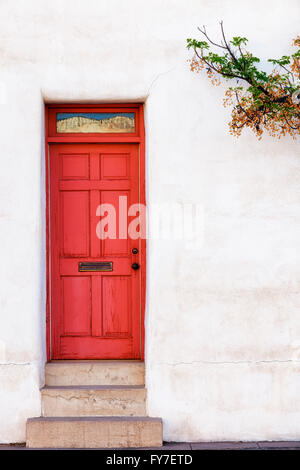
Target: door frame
[51, 137]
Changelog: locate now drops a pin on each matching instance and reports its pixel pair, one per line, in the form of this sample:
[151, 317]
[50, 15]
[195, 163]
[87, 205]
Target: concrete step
[107, 400]
[95, 373]
[94, 432]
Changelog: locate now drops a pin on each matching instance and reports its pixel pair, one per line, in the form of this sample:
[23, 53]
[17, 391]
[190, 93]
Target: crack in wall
[273, 361]
[157, 77]
[15, 364]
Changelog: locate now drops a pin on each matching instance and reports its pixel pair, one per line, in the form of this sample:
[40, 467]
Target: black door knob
[135, 251]
[135, 266]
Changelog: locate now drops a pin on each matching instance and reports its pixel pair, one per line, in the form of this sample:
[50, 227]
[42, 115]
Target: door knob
[135, 266]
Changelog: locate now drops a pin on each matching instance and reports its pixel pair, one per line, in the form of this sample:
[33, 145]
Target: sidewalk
[262, 445]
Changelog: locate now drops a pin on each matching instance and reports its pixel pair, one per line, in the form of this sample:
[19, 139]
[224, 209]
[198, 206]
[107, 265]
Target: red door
[95, 309]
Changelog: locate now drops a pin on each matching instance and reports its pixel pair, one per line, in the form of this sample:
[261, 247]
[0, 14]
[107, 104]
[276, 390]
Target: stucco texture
[222, 320]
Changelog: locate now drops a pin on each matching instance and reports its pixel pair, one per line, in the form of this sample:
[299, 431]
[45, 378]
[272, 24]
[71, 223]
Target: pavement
[261, 445]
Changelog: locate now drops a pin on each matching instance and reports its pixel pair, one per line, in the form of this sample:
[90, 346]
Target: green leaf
[237, 41]
[285, 60]
[196, 44]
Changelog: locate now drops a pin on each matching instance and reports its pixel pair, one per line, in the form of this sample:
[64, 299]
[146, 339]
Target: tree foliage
[261, 101]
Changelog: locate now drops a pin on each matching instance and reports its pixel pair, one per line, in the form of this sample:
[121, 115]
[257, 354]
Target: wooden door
[94, 314]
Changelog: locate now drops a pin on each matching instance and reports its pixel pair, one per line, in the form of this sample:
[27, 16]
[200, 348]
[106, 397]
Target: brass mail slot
[95, 266]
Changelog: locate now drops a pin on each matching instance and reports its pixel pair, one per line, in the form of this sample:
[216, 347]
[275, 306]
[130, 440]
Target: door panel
[75, 230]
[116, 294]
[94, 314]
[118, 247]
[76, 305]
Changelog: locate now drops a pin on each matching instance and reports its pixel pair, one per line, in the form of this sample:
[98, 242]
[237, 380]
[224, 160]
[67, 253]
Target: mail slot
[95, 266]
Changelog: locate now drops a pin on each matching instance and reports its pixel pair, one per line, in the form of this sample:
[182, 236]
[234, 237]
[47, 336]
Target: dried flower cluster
[268, 102]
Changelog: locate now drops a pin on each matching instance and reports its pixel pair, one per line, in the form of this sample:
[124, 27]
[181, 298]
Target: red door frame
[51, 137]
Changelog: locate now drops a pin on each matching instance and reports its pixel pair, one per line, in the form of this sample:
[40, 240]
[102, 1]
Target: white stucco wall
[222, 322]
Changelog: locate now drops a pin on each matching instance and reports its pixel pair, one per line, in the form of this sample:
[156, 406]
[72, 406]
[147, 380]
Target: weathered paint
[222, 323]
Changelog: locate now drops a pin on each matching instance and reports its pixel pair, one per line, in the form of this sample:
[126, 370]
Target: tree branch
[267, 101]
[209, 40]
